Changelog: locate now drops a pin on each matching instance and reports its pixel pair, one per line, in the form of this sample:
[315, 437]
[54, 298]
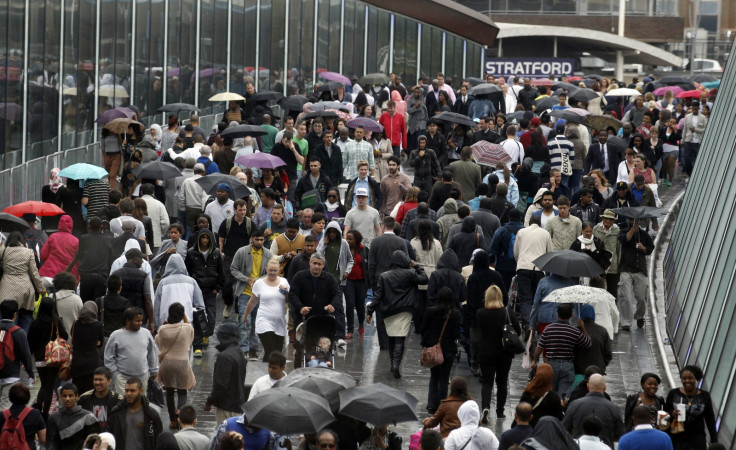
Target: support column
[620, 53]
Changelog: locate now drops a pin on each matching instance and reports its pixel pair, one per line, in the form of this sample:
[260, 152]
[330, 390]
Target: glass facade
[599, 7]
[83, 57]
[700, 264]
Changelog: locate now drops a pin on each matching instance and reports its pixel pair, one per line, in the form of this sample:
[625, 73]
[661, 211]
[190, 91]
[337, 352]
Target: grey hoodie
[345, 262]
[448, 220]
[176, 286]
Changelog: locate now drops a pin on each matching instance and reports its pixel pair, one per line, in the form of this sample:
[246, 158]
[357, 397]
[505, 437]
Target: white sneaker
[341, 343]
[227, 312]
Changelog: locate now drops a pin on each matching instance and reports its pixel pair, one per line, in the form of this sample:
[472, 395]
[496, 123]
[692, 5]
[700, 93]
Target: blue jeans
[315, 363]
[577, 175]
[24, 319]
[248, 338]
[691, 152]
[564, 376]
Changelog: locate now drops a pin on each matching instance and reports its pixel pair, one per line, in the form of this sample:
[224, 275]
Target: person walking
[69, 427]
[131, 351]
[20, 279]
[441, 324]
[204, 264]
[43, 330]
[228, 376]
[428, 251]
[699, 414]
[356, 285]
[396, 297]
[87, 336]
[539, 392]
[270, 296]
[470, 435]
[175, 374]
[134, 422]
[446, 414]
[595, 404]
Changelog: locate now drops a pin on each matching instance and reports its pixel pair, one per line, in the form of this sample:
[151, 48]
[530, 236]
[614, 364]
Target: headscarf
[587, 312]
[46, 311]
[542, 381]
[55, 181]
[157, 128]
[88, 314]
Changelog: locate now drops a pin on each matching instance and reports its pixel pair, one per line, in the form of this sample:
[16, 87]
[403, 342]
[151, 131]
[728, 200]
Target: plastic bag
[526, 360]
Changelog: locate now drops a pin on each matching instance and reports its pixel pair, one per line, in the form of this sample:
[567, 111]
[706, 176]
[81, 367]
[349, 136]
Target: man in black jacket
[527, 94]
[21, 352]
[204, 264]
[135, 409]
[228, 376]
[426, 165]
[604, 157]
[636, 244]
[101, 400]
[95, 258]
[486, 133]
[314, 179]
[330, 156]
[137, 285]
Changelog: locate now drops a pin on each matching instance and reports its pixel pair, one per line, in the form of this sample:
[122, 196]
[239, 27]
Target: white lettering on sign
[529, 67]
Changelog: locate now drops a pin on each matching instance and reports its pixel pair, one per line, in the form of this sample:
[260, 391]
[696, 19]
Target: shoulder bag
[510, 340]
[432, 356]
[565, 166]
[57, 351]
[65, 371]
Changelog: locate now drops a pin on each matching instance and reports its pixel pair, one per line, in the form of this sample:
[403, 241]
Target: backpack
[13, 434]
[6, 342]
[510, 251]
[229, 222]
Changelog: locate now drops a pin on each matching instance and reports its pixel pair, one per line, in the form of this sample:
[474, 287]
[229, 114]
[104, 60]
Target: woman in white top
[626, 166]
[270, 291]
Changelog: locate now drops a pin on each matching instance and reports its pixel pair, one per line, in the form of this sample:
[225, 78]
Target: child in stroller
[322, 354]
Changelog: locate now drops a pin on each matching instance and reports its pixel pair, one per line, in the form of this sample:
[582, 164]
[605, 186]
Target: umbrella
[595, 77]
[569, 87]
[485, 88]
[209, 184]
[176, 107]
[542, 82]
[474, 81]
[366, 123]
[69, 91]
[204, 73]
[640, 212]
[579, 294]
[11, 111]
[673, 80]
[571, 115]
[568, 263]
[378, 404]
[83, 171]
[334, 76]
[516, 115]
[589, 82]
[243, 130]
[226, 97]
[116, 91]
[288, 410]
[265, 96]
[602, 122]
[452, 117]
[545, 103]
[314, 114]
[712, 84]
[34, 207]
[322, 381]
[329, 86]
[373, 79]
[119, 126]
[156, 170]
[690, 94]
[293, 102]
[661, 91]
[10, 223]
[173, 72]
[488, 154]
[261, 160]
[703, 78]
[120, 112]
[622, 92]
[321, 106]
[584, 95]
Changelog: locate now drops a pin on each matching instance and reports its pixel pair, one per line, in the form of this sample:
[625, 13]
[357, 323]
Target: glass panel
[149, 54]
[354, 26]
[220, 45]
[383, 41]
[12, 15]
[301, 46]
[181, 52]
[334, 59]
[370, 56]
[79, 53]
[454, 60]
[243, 55]
[207, 71]
[323, 36]
[472, 62]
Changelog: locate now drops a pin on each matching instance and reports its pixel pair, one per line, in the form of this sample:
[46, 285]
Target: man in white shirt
[531, 243]
[193, 152]
[276, 365]
[192, 196]
[512, 147]
[222, 208]
[157, 212]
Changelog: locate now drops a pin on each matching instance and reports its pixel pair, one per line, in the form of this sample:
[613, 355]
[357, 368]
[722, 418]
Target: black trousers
[92, 286]
[271, 342]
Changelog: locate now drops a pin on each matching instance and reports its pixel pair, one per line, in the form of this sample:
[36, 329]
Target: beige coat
[173, 342]
[20, 279]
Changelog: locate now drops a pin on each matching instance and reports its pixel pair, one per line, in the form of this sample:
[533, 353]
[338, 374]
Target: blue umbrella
[83, 171]
[711, 84]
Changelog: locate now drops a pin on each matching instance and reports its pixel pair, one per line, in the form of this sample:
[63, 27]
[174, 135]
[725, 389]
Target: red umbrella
[690, 94]
[543, 82]
[37, 208]
[488, 154]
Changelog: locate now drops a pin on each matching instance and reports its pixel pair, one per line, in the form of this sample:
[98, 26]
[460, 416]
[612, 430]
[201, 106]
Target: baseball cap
[133, 253]
[361, 192]
[621, 185]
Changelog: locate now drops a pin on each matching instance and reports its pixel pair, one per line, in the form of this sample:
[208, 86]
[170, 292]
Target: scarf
[588, 244]
[331, 207]
[55, 180]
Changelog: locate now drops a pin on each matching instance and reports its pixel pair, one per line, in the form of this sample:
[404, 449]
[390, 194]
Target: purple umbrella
[366, 123]
[11, 111]
[334, 76]
[207, 73]
[261, 160]
[116, 113]
[661, 91]
[173, 72]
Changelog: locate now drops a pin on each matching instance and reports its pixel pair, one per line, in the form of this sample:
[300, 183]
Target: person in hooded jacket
[228, 376]
[176, 286]
[396, 296]
[339, 263]
[447, 274]
[470, 436]
[119, 420]
[449, 219]
[466, 241]
[86, 337]
[205, 265]
[95, 256]
[59, 250]
[549, 433]
[501, 253]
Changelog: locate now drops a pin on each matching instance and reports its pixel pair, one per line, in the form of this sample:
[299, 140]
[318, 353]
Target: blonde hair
[411, 194]
[274, 260]
[362, 163]
[494, 298]
[235, 170]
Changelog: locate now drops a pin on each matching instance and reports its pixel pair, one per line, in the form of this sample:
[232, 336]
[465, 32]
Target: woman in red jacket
[59, 250]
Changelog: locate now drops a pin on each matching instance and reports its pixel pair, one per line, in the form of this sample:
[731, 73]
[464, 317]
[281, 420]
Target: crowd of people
[400, 228]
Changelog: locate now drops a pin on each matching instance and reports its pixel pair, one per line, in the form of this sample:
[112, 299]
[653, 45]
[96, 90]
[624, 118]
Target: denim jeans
[527, 281]
[691, 152]
[564, 376]
[24, 319]
[248, 338]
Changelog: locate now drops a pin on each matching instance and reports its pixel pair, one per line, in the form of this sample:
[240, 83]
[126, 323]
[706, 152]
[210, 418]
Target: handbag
[510, 340]
[200, 319]
[57, 352]
[432, 356]
[154, 393]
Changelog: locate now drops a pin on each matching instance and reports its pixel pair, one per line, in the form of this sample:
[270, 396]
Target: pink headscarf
[55, 180]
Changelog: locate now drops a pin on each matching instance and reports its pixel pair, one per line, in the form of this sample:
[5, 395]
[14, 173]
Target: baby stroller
[314, 328]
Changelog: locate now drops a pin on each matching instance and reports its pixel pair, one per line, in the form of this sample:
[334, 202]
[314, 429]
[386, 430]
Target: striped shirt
[355, 152]
[96, 192]
[560, 339]
[556, 147]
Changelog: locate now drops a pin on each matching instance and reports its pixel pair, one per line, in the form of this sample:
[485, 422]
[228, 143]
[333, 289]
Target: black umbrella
[288, 410]
[293, 102]
[325, 382]
[546, 103]
[329, 86]
[209, 184]
[314, 114]
[595, 77]
[517, 115]
[176, 107]
[640, 212]
[460, 119]
[475, 81]
[672, 80]
[482, 89]
[584, 95]
[569, 116]
[373, 79]
[156, 170]
[265, 96]
[243, 130]
[10, 223]
[321, 106]
[569, 263]
[589, 82]
[703, 78]
[378, 404]
[569, 87]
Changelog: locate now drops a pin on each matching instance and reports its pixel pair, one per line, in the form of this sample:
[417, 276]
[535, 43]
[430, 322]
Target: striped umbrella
[488, 154]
